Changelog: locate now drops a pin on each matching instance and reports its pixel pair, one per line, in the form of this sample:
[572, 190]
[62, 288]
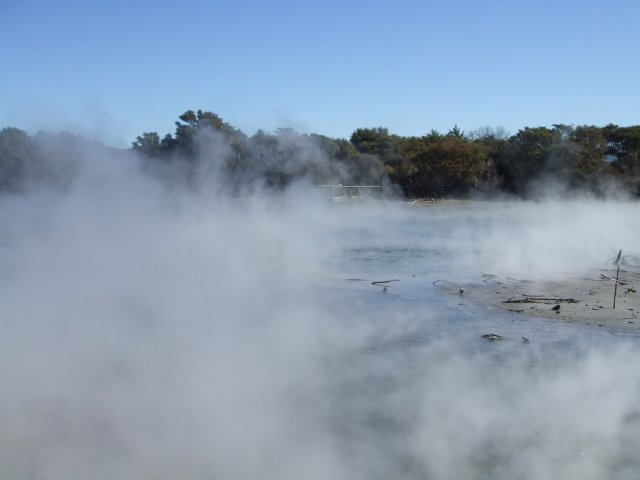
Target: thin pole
[615, 289]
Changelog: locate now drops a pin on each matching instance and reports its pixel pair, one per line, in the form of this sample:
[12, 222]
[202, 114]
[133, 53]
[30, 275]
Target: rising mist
[153, 331]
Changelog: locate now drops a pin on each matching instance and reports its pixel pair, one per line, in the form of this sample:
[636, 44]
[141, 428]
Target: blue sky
[112, 70]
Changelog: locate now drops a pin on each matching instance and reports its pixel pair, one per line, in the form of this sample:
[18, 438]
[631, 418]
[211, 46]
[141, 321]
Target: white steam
[152, 333]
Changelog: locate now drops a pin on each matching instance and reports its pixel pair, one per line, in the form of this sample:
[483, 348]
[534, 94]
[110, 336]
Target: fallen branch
[534, 299]
[618, 282]
[380, 282]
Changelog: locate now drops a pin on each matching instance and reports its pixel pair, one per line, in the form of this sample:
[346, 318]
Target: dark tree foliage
[563, 155]
[435, 165]
[486, 161]
[525, 157]
[455, 132]
[623, 143]
[17, 151]
[273, 160]
[52, 159]
[149, 144]
[377, 141]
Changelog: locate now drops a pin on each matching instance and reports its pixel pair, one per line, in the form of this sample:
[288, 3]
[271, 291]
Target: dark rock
[492, 336]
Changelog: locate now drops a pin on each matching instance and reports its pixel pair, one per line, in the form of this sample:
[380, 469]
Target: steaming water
[428, 398]
[210, 340]
[455, 245]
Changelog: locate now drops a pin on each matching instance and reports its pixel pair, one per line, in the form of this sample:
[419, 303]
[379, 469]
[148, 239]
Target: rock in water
[492, 336]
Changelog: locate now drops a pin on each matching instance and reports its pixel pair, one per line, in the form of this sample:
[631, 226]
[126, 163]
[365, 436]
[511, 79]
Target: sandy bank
[585, 298]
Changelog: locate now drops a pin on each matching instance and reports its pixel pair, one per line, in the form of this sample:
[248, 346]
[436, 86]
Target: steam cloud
[151, 332]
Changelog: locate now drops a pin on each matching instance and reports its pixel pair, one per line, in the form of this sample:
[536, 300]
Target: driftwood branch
[381, 282]
[618, 282]
[534, 299]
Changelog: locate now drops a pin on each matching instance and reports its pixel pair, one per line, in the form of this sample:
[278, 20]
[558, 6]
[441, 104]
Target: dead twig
[535, 299]
[381, 282]
[621, 282]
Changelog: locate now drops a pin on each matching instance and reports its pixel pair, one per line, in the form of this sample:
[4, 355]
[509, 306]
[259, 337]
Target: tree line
[486, 161]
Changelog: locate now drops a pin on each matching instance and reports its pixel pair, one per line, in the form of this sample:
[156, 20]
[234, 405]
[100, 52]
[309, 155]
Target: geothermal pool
[146, 337]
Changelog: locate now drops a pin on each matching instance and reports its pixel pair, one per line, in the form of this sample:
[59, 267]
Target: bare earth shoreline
[584, 298]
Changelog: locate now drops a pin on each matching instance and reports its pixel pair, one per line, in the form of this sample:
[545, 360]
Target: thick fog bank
[549, 238]
[152, 333]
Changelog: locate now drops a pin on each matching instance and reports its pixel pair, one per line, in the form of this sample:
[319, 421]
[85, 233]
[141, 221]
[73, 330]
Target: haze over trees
[486, 161]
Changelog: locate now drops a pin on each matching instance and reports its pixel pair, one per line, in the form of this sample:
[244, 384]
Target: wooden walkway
[350, 192]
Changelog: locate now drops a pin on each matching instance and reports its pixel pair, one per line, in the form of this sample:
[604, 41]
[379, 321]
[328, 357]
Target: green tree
[191, 127]
[373, 141]
[377, 141]
[436, 165]
[17, 152]
[455, 132]
[592, 150]
[492, 141]
[525, 157]
[624, 144]
[149, 144]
